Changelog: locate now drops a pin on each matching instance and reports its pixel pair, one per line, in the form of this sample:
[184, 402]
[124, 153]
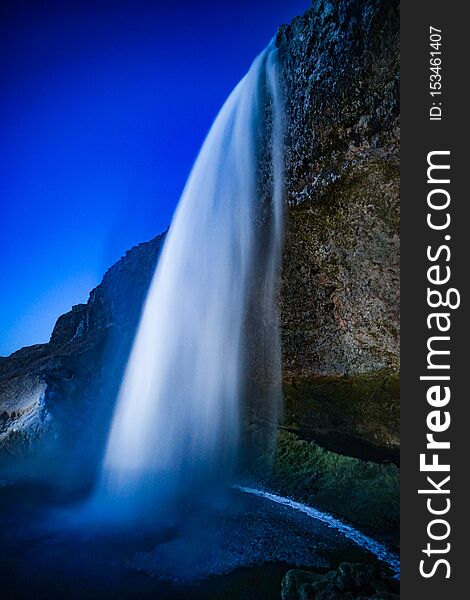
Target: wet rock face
[339, 296]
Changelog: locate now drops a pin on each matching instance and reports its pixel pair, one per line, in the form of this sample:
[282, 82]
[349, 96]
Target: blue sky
[104, 106]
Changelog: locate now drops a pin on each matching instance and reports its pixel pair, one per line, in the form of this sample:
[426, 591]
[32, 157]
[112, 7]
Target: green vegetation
[364, 493]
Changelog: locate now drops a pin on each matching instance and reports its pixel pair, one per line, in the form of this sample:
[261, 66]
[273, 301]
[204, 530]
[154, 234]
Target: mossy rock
[363, 405]
[366, 494]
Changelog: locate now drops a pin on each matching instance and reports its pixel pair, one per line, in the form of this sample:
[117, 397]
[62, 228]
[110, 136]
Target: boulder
[351, 581]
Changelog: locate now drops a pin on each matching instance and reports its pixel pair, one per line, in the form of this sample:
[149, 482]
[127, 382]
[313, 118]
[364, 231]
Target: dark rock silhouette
[348, 582]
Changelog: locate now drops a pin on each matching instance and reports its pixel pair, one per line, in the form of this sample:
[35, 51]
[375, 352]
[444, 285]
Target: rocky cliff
[341, 265]
[340, 283]
[339, 289]
[62, 386]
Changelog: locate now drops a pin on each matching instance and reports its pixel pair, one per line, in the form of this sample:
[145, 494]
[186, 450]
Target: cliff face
[63, 386]
[339, 289]
[340, 283]
[340, 305]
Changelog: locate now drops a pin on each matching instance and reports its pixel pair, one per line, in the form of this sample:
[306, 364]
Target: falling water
[177, 423]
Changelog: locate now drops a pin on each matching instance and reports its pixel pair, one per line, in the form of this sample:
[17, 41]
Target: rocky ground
[238, 552]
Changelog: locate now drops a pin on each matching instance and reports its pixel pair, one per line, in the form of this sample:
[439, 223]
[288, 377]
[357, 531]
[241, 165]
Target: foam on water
[379, 550]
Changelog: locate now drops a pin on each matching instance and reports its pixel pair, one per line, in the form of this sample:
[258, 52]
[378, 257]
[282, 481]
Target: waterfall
[177, 422]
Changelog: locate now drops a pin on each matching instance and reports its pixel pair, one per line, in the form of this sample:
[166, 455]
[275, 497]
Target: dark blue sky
[102, 112]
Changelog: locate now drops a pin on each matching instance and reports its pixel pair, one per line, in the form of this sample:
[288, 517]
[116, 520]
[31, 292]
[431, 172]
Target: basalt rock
[348, 582]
